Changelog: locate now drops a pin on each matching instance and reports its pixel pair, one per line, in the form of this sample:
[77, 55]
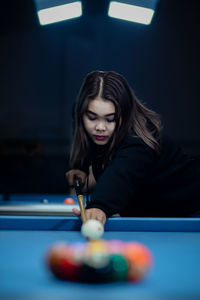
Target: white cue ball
[92, 229]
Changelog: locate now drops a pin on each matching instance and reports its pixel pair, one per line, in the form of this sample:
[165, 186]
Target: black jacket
[140, 183]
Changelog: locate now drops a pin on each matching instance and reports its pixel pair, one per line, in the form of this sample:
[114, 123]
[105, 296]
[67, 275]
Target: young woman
[120, 153]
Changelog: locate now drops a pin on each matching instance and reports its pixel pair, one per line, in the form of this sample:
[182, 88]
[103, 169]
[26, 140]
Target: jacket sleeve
[116, 186]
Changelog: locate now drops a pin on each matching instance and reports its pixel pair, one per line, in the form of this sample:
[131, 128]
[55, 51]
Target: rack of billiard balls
[99, 261]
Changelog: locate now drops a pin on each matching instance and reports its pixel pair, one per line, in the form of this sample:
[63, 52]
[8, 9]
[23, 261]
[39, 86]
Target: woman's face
[99, 120]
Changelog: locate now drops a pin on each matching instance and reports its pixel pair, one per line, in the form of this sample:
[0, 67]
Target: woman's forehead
[101, 106]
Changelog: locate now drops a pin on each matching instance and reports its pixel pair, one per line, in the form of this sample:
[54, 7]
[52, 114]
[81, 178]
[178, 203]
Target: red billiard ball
[62, 263]
[69, 201]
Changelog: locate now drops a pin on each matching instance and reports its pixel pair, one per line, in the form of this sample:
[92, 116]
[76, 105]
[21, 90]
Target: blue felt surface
[24, 275]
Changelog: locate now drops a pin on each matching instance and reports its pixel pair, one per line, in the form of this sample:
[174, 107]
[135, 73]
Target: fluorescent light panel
[60, 13]
[130, 12]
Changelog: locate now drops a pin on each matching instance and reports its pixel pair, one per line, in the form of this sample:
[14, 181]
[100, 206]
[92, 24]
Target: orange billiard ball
[69, 201]
[140, 260]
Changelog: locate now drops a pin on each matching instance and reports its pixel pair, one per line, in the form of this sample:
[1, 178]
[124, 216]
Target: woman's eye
[91, 118]
[111, 120]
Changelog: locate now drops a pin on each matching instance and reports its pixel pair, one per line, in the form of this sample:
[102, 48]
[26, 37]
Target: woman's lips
[100, 137]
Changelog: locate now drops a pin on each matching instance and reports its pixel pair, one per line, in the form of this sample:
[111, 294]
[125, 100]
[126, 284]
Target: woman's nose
[101, 126]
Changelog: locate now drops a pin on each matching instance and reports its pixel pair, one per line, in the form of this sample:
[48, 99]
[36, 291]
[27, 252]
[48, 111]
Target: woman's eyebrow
[93, 113]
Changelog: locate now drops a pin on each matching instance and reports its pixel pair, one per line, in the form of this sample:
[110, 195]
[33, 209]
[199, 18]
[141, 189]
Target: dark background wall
[42, 68]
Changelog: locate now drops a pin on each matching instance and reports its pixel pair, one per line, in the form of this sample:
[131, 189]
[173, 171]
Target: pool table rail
[69, 223]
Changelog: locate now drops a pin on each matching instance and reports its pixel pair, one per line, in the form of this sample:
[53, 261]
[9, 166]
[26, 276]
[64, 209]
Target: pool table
[37, 204]
[174, 243]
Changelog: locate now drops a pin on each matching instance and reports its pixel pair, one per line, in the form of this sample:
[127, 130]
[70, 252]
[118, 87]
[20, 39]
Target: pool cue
[77, 186]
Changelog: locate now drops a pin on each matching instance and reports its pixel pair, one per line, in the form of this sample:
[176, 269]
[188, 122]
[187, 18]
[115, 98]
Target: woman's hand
[75, 172]
[92, 213]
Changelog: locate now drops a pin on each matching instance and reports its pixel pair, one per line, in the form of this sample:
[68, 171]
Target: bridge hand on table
[92, 213]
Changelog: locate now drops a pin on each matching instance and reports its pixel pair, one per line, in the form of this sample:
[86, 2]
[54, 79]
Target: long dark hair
[132, 117]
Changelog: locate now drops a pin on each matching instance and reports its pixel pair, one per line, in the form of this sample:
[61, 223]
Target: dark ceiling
[21, 15]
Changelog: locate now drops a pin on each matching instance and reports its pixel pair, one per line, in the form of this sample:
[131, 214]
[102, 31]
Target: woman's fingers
[75, 172]
[76, 211]
[92, 213]
[97, 214]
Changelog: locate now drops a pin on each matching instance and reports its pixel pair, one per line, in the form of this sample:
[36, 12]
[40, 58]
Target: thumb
[76, 211]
